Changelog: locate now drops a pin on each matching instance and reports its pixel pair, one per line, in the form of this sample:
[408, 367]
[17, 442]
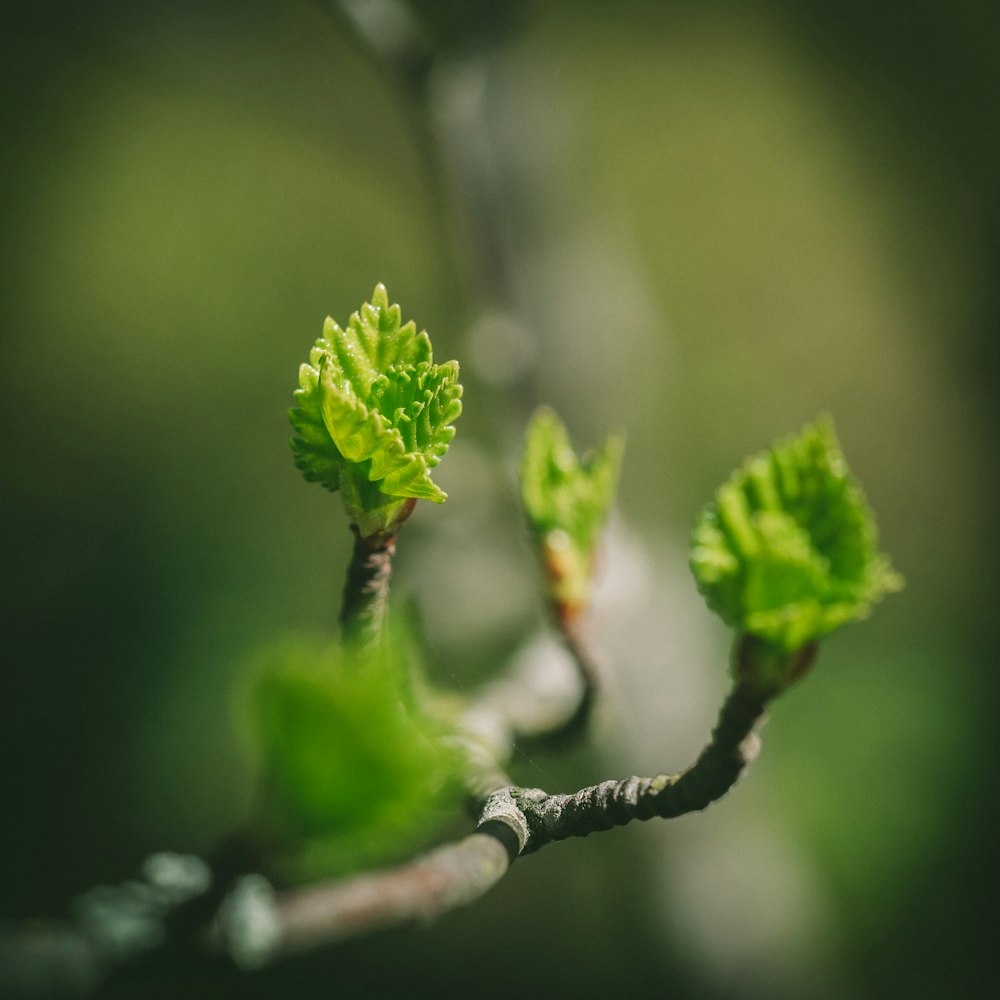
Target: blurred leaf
[352, 768]
[566, 501]
[787, 550]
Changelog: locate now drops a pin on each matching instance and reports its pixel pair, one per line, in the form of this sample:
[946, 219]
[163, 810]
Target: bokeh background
[701, 223]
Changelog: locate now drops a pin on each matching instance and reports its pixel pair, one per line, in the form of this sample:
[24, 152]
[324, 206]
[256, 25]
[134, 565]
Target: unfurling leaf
[787, 550]
[374, 414]
[566, 502]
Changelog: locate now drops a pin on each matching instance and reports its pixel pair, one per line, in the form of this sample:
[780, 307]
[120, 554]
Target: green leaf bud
[374, 414]
[566, 501]
[787, 550]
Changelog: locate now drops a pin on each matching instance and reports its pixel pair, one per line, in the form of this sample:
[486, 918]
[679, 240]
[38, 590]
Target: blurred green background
[701, 223]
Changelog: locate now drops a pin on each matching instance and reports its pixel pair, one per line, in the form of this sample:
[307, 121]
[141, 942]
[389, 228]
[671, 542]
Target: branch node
[502, 810]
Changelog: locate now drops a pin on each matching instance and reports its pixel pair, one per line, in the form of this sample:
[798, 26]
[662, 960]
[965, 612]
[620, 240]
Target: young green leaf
[787, 550]
[566, 501]
[374, 414]
[352, 767]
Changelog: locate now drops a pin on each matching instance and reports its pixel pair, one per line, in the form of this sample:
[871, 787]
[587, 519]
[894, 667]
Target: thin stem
[542, 705]
[366, 590]
[575, 725]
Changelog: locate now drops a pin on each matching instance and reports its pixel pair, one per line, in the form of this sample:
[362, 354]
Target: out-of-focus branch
[255, 925]
[418, 892]
[589, 676]
[543, 702]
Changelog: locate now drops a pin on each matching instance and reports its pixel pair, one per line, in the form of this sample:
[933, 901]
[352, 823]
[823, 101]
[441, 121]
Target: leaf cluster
[354, 764]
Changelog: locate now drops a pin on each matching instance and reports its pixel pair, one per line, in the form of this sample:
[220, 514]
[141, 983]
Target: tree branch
[514, 821]
[733, 746]
[256, 925]
[447, 878]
